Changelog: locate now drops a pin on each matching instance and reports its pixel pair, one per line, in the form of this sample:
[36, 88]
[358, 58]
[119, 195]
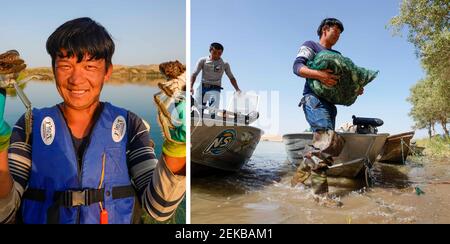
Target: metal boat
[222, 140]
[397, 148]
[360, 152]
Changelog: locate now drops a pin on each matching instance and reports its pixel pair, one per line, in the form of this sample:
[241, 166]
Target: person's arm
[199, 68]
[160, 190]
[6, 183]
[325, 76]
[231, 77]
[19, 168]
[305, 54]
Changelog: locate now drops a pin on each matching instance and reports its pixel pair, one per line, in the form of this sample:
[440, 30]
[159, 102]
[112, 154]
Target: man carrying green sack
[331, 79]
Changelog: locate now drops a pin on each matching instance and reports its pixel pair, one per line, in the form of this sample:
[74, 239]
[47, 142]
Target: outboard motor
[367, 125]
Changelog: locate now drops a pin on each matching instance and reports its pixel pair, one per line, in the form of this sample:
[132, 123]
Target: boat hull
[367, 146]
[222, 147]
[397, 147]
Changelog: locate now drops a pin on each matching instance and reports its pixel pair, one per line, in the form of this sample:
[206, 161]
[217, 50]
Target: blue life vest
[59, 191]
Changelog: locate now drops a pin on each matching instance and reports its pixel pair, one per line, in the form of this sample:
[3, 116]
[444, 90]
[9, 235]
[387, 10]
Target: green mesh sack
[352, 78]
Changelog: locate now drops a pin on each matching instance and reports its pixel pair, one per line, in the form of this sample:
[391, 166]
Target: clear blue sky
[145, 31]
[262, 37]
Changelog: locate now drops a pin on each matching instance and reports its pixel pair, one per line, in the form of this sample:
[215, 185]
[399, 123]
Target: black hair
[330, 22]
[78, 37]
[216, 46]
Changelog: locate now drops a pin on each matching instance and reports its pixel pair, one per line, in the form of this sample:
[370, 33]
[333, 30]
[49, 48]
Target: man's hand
[174, 150]
[327, 78]
[235, 85]
[193, 77]
[174, 129]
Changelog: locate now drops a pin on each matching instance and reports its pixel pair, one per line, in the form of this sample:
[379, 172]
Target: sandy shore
[273, 138]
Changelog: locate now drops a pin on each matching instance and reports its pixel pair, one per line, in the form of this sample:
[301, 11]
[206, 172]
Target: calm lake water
[261, 193]
[136, 98]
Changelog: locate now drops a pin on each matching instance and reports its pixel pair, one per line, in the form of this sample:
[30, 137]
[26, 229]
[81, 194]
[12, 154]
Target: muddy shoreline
[261, 193]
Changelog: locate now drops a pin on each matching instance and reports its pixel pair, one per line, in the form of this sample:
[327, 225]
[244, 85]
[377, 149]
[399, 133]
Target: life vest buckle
[79, 198]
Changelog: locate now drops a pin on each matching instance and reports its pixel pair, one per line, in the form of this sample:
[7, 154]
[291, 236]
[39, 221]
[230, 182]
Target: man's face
[215, 54]
[80, 84]
[331, 34]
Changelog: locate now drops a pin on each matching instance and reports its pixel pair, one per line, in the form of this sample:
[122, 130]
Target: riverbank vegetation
[427, 23]
[437, 146]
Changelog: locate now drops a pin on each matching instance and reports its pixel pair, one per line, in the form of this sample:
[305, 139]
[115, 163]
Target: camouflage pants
[319, 183]
[316, 159]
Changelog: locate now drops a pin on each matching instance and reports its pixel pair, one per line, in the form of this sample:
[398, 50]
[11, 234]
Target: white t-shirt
[212, 70]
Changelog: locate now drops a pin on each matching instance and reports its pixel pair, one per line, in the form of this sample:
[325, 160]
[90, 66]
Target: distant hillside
[142, 74]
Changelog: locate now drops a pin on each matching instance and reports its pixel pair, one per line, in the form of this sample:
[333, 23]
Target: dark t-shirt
[80, 147]
[307, 52]
[80, 144]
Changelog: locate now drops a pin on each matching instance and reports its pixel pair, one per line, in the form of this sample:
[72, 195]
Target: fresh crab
[10, 66]
[172, 91]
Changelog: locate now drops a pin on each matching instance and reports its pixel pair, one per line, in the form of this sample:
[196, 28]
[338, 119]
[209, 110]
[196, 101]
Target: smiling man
[86, 161]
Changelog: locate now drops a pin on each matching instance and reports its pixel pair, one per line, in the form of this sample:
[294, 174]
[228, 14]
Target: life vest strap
[74, 198]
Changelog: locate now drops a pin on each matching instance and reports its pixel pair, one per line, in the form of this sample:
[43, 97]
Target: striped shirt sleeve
[10, 205]
[305, 54]
[159, 190]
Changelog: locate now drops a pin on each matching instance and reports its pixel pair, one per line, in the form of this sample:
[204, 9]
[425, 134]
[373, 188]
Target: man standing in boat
[86, 161]
[212, 68]
[320, 114]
